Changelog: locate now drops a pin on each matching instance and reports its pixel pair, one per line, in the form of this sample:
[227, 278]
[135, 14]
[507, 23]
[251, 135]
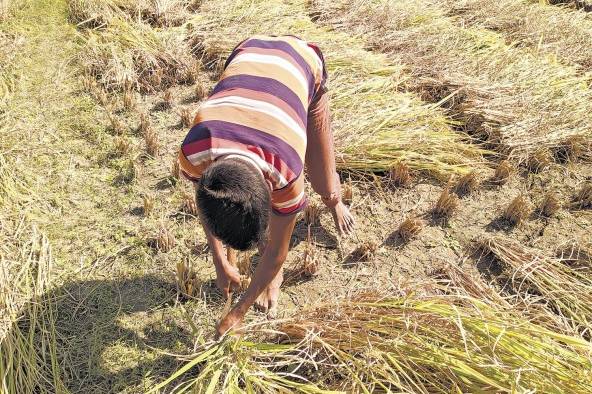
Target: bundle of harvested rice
[517, 100]
[564, 34]
[374, 124]
[566, 291]
[393, 344]
[134, 55]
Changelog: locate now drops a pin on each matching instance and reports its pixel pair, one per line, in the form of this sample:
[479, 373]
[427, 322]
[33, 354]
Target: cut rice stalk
[131, 53]
[377, 342]
[567, 291]
[447, 203]
[410, 228]
[550, 205]
[508, 95]
[375, 124]
[517, 211]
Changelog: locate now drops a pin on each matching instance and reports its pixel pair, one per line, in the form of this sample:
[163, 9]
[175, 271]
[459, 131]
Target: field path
[56, 141]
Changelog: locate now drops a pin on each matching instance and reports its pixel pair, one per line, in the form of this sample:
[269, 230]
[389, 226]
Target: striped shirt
[259, 109]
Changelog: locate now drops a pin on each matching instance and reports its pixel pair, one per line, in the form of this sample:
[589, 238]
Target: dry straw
[566, 291]
[508, 95]
[558, 33]
[467, 184]
[131, 53]
[375, 343]
[502, 172]
[583, 198]
[376, 125]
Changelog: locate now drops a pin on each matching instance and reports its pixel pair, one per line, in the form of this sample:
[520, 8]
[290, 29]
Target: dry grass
[583, 5]
[502, 172]
[566, 291]
[399, 174]
[549, 31]
[549, 205]
[573, 149]
[508, 95]
[538, 161]
[28, 341]
[133, 54]
[410, 228]
[447, 204]
[517, 211]
[158, 13]
[382, 126]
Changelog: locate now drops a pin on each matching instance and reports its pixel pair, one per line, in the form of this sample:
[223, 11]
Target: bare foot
[344, 220]
[267, 301]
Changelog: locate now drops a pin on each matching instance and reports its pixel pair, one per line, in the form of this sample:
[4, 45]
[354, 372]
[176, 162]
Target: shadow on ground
[99, 349]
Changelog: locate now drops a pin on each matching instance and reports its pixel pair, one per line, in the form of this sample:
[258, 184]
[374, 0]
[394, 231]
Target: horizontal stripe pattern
[258, 110]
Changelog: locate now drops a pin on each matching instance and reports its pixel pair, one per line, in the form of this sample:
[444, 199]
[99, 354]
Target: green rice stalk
[516, 99]
[565, 291]
[392, 344]
[375, 123]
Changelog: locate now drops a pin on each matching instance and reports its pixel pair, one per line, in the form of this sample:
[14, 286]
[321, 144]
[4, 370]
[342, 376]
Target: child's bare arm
[281, 228]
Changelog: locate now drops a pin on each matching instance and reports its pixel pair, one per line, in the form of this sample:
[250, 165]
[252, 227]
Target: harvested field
[463, 145]
[516, 100]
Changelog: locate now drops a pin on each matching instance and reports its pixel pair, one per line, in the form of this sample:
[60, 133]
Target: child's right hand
[228, 279]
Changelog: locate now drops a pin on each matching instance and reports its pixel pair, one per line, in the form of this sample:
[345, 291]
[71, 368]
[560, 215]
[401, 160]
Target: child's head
[234, 201]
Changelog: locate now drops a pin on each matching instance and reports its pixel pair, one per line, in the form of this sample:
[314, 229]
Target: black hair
[235, 203]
